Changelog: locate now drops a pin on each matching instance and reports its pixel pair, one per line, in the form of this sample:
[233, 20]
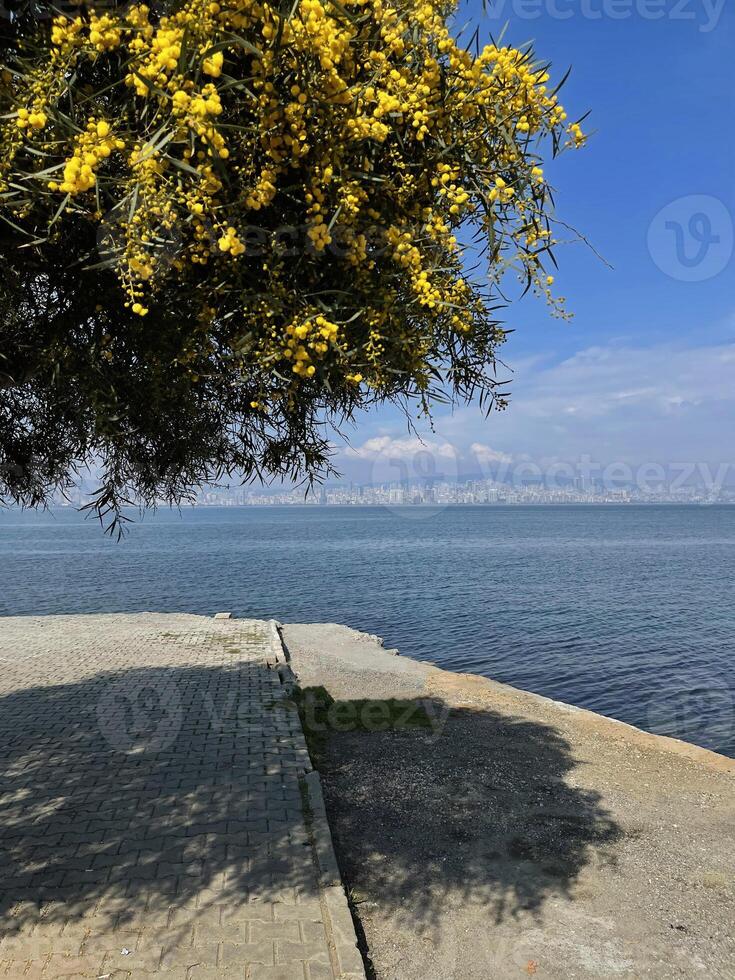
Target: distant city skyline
[441, 493]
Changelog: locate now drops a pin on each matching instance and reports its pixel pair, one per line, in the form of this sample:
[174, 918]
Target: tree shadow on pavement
[149, 796]
[481, 813]
[169, 797]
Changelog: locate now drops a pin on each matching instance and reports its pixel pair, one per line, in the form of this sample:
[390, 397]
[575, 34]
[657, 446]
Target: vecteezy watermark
[691, 239]
[587, 476]
[413, 471]
[693, 707]
[140, 714]
[45, 10]
[419, 478]
[164, 245]
[705, 14]
[320, 713]
[166, 242]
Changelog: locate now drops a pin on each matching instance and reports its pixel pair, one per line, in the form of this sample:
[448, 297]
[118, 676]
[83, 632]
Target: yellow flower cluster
[36, 120]
[160, 59]
[229, 242]
[104, 32]
[264, 191]
[333, 151]
[91, 148]
[213, 64]
[195, 109]
[308, 340]
[66, 35]
[575, 131]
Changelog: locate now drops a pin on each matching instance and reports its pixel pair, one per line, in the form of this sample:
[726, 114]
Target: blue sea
[626, 610]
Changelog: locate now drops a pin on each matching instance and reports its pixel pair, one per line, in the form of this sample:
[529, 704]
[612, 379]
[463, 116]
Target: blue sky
[645, 370]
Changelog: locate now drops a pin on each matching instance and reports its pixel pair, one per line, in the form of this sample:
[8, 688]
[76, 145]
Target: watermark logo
[320, 713]
[167, 242]
[413, 473]
[693, 707]
[691, 239]
[704, 14]
[164, 245]
[140, 714]
[46, 10]
[420, 478]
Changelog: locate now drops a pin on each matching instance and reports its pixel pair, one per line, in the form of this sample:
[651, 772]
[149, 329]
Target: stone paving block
[293, 952]
[248, 911]
[59, 965]
[174, 848]
[28, 947]
[32, 970]
[217, 973]
[233, 932]
[201, 918]
[233, 954]
[274, 930]
[180, 973]
[308, 909]
[287, 971]
[312, 932]
[319, 971]
[204, 954]
[111, 941]
[144, 958]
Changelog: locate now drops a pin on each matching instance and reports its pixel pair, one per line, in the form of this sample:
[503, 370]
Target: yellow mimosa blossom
[300, 177]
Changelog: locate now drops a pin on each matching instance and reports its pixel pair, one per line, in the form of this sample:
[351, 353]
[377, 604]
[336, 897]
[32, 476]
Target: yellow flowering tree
[228, 225]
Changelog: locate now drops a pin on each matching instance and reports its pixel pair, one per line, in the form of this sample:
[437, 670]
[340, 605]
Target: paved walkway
[152, 807]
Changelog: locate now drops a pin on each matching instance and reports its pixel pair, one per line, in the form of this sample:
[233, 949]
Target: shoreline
[469, 684]
[526, 836]
[605, 724]
[624, 612]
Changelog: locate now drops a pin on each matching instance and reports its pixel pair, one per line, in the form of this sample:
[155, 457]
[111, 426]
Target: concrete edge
[329, 873]
[341, 935]
[438, 680]
[276, 644]
[337, 916]
[602, 725]
[280, 658]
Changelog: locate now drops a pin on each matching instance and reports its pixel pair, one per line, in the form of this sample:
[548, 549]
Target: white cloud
[486, 454]
[391, 457]
[388, 447]
[662, 403]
